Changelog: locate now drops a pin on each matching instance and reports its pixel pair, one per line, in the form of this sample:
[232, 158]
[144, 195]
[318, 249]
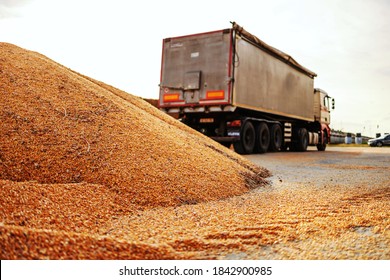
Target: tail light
[171, 97]
[235, 123]
[215, 94]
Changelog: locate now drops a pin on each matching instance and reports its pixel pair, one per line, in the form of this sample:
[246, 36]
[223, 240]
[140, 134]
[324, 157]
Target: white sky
[346, 42]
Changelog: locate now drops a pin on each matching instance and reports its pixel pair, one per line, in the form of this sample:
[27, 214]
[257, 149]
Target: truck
[236, 89]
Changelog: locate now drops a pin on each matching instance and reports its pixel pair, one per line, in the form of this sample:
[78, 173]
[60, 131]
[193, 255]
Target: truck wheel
[321, 147]
[263, 137]
[247, 139]
[276, 137]
[302, 139]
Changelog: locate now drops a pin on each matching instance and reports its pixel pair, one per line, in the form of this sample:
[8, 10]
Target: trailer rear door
[196, 70]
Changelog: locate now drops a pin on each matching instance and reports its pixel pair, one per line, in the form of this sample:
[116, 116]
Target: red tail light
[234, 123]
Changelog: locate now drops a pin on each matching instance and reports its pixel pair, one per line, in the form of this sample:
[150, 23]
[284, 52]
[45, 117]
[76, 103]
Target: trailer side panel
[265, 83]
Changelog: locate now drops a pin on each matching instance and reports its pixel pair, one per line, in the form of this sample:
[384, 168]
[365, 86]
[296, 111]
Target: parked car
[380, 141]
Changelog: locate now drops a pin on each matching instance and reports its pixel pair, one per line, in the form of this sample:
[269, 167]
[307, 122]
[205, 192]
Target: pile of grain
[75, 152]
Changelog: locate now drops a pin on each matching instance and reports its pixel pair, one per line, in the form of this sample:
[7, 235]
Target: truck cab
[322, 106]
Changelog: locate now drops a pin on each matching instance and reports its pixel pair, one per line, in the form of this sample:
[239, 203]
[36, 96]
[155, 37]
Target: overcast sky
[346, 42]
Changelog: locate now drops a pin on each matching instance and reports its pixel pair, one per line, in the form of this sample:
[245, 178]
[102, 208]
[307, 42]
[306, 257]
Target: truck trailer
[236, 89]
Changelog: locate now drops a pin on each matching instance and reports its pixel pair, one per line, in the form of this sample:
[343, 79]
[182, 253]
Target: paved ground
[335, 166]
[347, 187]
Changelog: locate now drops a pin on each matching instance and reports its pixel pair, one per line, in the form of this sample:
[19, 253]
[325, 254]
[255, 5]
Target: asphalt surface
[340, 199]
[348, 166]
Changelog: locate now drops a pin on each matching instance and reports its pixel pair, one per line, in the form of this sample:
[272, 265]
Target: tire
[379, 144]
[247, 141]
[263, 137]
[276, 139]
[302, 139]
[322, 147]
